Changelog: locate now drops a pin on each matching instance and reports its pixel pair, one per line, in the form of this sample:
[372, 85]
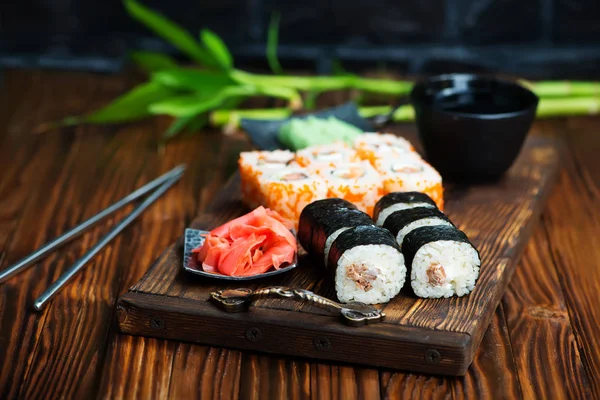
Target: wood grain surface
[542, 341]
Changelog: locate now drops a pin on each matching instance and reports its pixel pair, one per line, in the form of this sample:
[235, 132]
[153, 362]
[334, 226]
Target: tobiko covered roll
[323, 221]
[289, 190]
[367, 265]
[253, 164]
[335, 154]
[397, 201]
[441, 261]
[401, 223]
[358, 183]
[411, 174]
[374, 146]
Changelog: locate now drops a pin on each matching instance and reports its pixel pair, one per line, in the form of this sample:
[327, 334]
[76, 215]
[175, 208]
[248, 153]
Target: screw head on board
[433, 356]
[157, 324]
[321, 343]
[253, 334]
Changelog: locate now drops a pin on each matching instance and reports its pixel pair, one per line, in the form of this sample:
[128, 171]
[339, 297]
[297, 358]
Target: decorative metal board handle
[353, 314]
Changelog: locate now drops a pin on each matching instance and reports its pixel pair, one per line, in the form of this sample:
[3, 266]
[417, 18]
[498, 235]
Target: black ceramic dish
[193, 239]
[472, 127]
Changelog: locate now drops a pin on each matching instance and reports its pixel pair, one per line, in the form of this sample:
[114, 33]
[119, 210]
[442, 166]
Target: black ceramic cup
[472, 127]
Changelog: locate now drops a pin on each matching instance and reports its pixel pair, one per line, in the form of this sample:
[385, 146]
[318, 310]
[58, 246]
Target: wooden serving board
[439, 336]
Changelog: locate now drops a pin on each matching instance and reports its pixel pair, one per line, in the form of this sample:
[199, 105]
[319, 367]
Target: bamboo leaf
[272, 43]
[130, 106]
[186, 105]
[198, 103]
[190, 123]
[170, 31]
[198, 123]
[339, 70]
[177, 126]
[217, 48]
[152, 62]
[310, 101]
[188, 79]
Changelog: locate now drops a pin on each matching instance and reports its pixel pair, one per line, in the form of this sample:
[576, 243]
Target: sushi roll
[401, 223]
[411, 174]
[358, 183]
[322, 221]
[441, 262]
[397, 201]
[253, 164]
[373, 146]
[335, 154]
[289, 190]
[367, 265]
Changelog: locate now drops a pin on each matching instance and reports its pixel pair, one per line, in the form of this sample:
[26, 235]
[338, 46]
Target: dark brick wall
[536, 38]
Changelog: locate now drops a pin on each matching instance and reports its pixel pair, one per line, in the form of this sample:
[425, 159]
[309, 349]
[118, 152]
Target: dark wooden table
[544, 341]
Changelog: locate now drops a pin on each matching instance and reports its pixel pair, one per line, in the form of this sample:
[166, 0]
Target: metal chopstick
[62, 280]
[21, 265]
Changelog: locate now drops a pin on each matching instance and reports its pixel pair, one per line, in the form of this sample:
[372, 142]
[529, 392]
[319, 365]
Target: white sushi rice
[444, 268]
[418, 224]
[386, 212]
[370, 274]
[329, 241]
[334, 154]
[383, 143]
[267, 159]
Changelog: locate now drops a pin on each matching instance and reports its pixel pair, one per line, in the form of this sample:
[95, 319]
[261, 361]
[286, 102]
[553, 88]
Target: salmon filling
[436, 275]
[362, 276]
[408, 168]
[349, 173]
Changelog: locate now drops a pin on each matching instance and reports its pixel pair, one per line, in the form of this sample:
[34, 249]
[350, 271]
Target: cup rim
[417, 98]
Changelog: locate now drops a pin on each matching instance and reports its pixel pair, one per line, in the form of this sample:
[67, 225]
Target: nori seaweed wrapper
[313, 216]
[400, 197]
[399, 219]
[319, 224]
[428, 234]
[358, 236]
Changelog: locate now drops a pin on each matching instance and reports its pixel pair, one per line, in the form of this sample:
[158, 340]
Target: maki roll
[397, 201]
[321, 222]
[374, 146]
[356, 182]
[411, 174]
[253, 164]
[367, 265]
[401, 223]
[335, 154]
[441, 261]
[289, 190]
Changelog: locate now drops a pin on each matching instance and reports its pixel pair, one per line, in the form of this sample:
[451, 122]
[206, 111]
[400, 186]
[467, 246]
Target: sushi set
[426, 281]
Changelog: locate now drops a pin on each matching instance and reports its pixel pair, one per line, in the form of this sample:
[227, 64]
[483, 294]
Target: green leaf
[217, 48]
[231, 103]
[170, 31]
[310, 101]
[272, 43]
[198, 103]
[152, 62]
[198, 123]
[187, 105]
[190, 123]
[188, 79]
[130, 106]
[177, 126]
[339, 70]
